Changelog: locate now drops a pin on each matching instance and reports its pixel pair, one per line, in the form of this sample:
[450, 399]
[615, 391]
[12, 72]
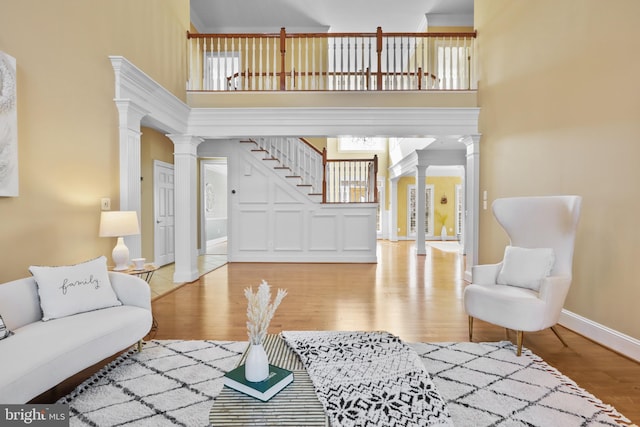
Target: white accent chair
[530, 222]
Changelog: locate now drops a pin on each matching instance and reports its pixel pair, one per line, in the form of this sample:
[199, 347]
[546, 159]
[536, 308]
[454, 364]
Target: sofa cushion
[525, 267]
[73, 289]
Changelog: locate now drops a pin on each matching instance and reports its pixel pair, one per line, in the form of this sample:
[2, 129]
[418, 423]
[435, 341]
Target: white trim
[161, 109]
[617, 341]
[215, 123]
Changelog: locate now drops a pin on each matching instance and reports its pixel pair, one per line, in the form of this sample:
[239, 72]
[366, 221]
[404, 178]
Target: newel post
[324, 175]
[283, 52]
[379, 55]
[375, 178]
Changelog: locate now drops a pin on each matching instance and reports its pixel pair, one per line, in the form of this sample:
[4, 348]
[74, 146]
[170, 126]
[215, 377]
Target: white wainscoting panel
[356, 237]
[289, 230]
[324, 232]
[254, 233]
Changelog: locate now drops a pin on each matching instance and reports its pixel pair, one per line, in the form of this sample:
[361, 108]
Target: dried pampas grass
[260, 310]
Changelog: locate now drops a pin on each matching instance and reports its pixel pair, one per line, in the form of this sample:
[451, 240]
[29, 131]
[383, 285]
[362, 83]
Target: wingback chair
[525, 292]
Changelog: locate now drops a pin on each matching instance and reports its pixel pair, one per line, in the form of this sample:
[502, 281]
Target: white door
[164, 214]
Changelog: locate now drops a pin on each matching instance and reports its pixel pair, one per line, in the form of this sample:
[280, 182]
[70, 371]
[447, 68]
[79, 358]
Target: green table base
[296, 405]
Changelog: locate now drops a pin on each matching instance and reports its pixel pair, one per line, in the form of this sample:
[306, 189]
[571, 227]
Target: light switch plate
[105, 204]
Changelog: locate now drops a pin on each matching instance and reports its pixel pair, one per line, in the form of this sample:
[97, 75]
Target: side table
[145, 274]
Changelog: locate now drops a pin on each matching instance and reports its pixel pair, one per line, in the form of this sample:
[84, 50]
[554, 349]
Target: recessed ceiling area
[253, 16]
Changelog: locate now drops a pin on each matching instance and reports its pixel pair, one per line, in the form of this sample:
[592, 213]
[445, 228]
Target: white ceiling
[268, 16]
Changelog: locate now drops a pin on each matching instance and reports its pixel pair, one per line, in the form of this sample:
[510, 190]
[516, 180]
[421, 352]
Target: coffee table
[295, 405]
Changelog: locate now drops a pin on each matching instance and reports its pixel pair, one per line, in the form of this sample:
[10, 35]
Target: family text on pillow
[73, 289]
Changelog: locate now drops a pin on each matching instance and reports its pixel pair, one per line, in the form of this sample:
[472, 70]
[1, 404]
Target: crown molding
[164, 111]
[215, 123]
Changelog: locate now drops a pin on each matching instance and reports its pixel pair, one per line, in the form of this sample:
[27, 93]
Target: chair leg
[519, 338]
[140, 346]
[555, 331]
[470, 328]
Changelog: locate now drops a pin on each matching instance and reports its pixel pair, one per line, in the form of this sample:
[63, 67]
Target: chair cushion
[73, 289]
[525, 267]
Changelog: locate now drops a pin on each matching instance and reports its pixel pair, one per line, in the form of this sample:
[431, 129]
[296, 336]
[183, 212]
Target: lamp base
[120, 255]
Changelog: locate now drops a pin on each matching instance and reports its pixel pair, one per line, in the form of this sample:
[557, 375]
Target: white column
[393, 204]
[472, 196]
[186, 207]
[130, 115]
[421, 172]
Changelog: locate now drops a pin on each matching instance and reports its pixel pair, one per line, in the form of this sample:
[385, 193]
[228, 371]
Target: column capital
[130, 113]
[185, 144]
[472, 142]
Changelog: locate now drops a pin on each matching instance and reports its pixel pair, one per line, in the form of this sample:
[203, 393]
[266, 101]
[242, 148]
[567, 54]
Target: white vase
[256, 367]
[443, 233]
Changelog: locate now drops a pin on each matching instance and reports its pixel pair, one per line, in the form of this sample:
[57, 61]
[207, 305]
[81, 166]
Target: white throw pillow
[526, 267]
[73, 289]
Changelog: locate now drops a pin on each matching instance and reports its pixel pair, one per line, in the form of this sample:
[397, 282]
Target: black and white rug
[174, 382]
[369, 378]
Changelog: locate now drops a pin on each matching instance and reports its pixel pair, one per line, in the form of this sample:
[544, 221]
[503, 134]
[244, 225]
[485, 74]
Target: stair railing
[299, 156]
[350, 180]
[337, 180]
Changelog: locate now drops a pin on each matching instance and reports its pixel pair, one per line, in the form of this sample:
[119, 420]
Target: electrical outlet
[105, 204]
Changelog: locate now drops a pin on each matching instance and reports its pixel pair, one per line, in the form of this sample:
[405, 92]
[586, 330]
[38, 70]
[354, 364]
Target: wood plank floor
[418, 298]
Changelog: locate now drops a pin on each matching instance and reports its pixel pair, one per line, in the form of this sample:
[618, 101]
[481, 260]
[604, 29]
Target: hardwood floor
[418, 298]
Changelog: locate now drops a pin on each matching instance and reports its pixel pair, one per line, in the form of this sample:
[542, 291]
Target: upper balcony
[338, 69]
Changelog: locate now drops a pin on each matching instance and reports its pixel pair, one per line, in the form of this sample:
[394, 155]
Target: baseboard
[617, 341]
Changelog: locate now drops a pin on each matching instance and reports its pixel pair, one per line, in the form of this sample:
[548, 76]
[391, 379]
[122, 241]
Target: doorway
[214, 222]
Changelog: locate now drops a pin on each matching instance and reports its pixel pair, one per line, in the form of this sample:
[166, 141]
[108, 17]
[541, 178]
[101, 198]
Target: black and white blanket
[369, 379]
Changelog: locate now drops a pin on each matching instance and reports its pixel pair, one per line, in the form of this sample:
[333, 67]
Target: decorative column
[421, 173]
[130, 116]
[186, 207]
[472, 197]
[393, 203]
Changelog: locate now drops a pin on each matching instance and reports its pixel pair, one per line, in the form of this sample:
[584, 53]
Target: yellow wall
[559, 93]
[67, 120]
[442, 185]
[402, 198]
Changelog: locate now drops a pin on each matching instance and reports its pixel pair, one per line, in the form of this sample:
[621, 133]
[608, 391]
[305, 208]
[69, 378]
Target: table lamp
[119, 224]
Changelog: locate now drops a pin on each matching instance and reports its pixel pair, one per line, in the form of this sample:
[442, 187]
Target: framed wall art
[8, 127]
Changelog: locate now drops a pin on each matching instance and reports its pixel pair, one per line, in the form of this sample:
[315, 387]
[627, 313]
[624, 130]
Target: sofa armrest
[485, 274]
[131, 290]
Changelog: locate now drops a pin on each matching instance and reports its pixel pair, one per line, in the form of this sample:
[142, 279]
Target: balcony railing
[331, 62]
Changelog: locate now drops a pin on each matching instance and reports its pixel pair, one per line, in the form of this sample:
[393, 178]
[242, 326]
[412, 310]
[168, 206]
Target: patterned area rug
[369, 378]
[175, 382]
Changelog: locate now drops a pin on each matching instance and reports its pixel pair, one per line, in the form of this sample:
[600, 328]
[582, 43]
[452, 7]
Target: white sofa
[42, 354]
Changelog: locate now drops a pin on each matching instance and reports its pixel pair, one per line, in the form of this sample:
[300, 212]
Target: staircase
[320, 179]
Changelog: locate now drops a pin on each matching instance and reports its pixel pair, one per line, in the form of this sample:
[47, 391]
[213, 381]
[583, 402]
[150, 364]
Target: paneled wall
[271, 220]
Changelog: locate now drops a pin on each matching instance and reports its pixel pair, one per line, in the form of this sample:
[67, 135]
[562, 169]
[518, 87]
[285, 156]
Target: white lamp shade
[119, 223]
